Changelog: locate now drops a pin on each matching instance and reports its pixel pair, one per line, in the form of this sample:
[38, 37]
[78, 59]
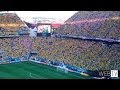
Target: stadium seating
[10, 22]
[97, 24]
[85, 54]
[89, 54]
[15, 46]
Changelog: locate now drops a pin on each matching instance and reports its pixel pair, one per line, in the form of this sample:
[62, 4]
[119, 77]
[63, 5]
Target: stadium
[88, 41]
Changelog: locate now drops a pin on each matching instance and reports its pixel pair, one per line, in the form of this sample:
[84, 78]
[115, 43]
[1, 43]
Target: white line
[74, 75]
[38, 77]
[31, 75]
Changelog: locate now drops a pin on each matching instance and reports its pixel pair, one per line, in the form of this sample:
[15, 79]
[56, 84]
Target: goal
[63, 69]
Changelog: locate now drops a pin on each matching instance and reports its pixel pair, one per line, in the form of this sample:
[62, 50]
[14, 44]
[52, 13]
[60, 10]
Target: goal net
[63, 69]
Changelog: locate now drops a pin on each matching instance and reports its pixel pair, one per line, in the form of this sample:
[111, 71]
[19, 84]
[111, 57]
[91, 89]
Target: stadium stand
[99, 52]
[10, 23]
[85, 54]
[93, 24]
[12, 45]
[15, 46]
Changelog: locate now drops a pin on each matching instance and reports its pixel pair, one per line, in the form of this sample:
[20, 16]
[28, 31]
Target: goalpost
[64, 69]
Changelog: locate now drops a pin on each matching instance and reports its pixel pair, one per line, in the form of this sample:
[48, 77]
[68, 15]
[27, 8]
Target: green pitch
[31, 70]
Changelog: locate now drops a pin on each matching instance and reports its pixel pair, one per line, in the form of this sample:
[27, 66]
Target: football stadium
[87, 42]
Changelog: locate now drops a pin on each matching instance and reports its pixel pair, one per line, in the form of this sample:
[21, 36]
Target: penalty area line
[35, 76]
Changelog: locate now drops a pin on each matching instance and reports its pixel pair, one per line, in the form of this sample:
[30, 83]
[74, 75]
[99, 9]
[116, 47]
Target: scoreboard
[44, 29]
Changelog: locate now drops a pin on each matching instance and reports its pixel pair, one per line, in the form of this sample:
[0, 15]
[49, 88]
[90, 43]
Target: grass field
[31, 70]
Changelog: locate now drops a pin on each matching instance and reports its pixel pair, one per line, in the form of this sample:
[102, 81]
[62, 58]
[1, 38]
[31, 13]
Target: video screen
[44, 29]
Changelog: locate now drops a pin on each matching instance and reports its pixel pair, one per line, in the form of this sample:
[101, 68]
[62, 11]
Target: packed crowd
[97, 24]
[85, 54]
[15, 46]
[10, 22]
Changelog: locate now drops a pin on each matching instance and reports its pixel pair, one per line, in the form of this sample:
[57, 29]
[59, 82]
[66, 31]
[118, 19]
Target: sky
[58, 15]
